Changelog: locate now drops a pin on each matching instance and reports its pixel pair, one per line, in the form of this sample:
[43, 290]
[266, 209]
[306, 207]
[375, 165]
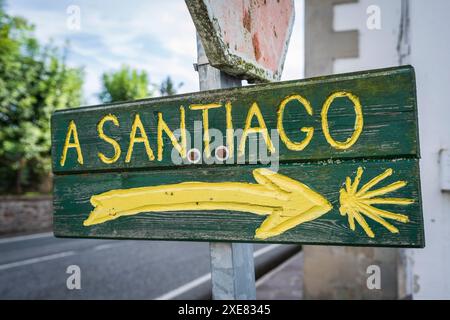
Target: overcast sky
[156, 36]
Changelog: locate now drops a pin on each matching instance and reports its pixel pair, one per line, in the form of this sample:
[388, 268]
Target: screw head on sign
[193, 155]
[222, 153]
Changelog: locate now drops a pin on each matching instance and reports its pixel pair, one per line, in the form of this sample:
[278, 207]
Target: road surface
[34, 267]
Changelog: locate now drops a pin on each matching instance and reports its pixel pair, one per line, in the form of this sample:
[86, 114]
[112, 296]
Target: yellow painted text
[71, 131]
[162, 126]
[296, 146]
[137, 124]
[205, 115]
[103, 136]
[359, 122]
[255, 111]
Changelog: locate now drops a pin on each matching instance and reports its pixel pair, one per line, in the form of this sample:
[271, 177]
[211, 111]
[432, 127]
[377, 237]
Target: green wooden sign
[328, 160]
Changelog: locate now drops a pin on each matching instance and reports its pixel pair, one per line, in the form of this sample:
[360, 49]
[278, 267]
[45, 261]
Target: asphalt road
[35, 268]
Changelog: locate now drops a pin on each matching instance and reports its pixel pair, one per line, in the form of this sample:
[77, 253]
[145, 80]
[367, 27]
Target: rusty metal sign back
[245, 38]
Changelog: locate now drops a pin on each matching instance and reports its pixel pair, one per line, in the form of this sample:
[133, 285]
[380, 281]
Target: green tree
[34, 81]
[125, 84]
[168, 88]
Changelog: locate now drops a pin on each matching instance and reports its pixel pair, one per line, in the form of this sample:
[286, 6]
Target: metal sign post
[232, 266]
[248, 42]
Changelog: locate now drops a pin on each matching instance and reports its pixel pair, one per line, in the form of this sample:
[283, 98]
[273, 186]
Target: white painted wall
[377, 48]
[430, 55]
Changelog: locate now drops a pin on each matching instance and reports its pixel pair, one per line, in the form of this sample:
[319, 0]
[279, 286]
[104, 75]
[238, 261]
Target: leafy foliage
[168, 88]
[125, 84]
[34, 81]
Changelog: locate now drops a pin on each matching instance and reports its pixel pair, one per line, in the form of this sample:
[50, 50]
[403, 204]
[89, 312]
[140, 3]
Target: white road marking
[184, 288]
[57, 256]
[36, 260]
[27, 237]
[205, 278]
[272, 272]
[111, 245]
[104, 246]
[264, 250]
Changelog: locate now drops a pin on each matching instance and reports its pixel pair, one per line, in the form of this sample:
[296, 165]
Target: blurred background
[64, 54]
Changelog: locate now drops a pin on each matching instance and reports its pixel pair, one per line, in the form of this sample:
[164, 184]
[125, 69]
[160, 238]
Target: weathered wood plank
[73, 192]
[387, 98]
[346, 147]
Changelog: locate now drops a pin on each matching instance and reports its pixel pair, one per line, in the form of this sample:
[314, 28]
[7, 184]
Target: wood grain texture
[72, 194]
[389, 140]
[387, 96]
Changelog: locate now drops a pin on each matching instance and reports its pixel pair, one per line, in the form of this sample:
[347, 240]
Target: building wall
[377, 47]
[430, 55]
[412, 32]
[342, 272]
[25, 214]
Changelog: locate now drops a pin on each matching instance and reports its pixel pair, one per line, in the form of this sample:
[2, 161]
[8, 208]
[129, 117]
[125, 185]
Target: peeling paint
[256, 48]
[246, 21]
[247, 39]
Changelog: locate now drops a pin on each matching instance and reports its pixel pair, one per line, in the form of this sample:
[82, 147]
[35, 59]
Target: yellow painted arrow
[287, 202]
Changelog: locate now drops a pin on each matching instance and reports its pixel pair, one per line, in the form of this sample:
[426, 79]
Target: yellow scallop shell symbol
[358, 204]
